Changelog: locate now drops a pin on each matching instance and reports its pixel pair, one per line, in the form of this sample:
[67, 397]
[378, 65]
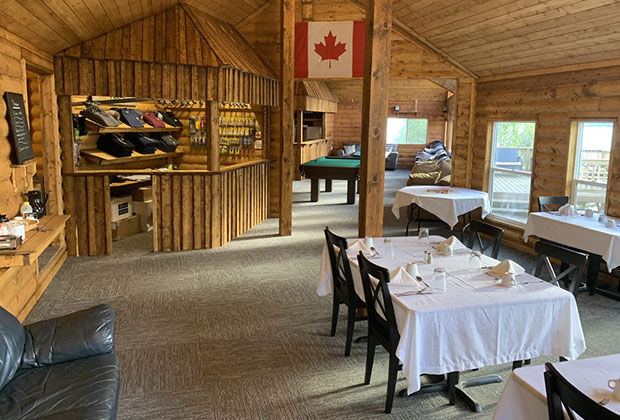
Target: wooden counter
[310, 150]
[192, 209]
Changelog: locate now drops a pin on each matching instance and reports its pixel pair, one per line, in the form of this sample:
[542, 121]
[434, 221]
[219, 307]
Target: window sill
[506, 223]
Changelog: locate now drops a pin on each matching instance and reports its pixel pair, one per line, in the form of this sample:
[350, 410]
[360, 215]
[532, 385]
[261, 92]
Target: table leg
[328, 185]
[314, 190]
[351, 191]
[594, 265]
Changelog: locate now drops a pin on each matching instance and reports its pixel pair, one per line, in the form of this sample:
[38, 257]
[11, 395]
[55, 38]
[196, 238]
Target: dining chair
[382, 328]
[547, 204]
[563, 395]
[571, 261]
[477, 227]
[344, 290]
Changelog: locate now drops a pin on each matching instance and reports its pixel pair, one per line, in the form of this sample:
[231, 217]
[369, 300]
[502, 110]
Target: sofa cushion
[12, 339]
[445, 167]
[349, 149]
[82, 389]
[423, 178]
[424, 167]
[444, 181]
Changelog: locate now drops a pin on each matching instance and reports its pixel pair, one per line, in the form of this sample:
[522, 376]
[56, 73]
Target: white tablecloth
[476, 323]
[579, 232]
[447, 207]
[524, 396]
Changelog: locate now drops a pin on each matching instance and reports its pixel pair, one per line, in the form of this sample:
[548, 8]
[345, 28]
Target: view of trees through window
[407, 130]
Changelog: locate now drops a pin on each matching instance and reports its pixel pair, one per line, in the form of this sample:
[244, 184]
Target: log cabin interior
[191, 189]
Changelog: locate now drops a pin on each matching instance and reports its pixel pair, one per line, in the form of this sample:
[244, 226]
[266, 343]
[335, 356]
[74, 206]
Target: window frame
[492, 169]
[576, 159]
[407, 129]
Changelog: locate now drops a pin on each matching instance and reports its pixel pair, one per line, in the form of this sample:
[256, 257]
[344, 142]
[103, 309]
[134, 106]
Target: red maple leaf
[330, 50]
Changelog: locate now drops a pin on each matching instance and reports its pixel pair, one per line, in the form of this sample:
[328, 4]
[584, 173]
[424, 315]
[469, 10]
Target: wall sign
[18, 122]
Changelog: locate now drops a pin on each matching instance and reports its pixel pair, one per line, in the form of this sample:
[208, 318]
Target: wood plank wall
[463, 133]
[207, 210]
[553, 100]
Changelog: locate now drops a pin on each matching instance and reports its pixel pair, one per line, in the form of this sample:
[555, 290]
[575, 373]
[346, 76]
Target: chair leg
[335, 309]
[392, 375]
[350, 327]
[370, 358]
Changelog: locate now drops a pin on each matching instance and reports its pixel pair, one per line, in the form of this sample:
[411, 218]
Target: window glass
[407, 131]
[511, 169]
[593, 151]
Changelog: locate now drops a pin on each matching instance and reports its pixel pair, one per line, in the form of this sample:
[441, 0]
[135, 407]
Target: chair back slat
[339, 262]
[574, 261]
[381, 318]
[548, 204]
[496, 234]
[562, 395]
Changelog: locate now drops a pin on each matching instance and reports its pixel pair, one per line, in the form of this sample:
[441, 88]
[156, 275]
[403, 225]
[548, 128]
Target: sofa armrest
[75, 336]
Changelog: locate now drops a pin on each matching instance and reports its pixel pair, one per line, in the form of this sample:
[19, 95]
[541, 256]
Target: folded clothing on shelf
[170, 119]
[151, 119]
[114, 145]
[165, 142]
[131, 117]
[96, 114]
[141, 143]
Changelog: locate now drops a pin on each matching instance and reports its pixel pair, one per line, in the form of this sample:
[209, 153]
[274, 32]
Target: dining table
[524, 395]
[477, 322]
[583, 233]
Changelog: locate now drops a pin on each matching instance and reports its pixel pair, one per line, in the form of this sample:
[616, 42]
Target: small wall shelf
[103, 158]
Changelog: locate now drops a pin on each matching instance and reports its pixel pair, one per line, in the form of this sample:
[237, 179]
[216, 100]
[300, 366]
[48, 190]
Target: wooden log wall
[463, 133]
[34, 114]
[554, 101]
[87, 200]
[197, 210]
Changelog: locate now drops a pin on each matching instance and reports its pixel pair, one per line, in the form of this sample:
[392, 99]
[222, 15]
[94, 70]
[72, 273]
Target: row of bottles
[198, 132]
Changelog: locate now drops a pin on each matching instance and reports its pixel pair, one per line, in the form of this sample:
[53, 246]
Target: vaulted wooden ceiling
[486, 37]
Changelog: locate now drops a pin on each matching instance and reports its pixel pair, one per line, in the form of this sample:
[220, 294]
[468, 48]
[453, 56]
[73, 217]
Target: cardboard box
[121, 208]
[142, 194]
[125, 228]
[145, 211]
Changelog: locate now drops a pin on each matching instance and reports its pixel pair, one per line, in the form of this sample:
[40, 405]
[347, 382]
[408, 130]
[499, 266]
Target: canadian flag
[325, 50]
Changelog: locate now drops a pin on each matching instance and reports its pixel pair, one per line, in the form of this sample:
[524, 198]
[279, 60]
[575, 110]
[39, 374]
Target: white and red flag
[325, 50]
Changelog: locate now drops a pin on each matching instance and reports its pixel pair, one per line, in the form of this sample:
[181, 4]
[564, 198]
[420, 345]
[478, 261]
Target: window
[511, 169]
[592, 164]
[407, 130]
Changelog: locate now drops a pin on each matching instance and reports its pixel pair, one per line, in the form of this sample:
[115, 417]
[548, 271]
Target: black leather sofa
[59, 369]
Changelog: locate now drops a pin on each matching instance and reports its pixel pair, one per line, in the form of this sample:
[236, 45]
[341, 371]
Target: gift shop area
[309, 209]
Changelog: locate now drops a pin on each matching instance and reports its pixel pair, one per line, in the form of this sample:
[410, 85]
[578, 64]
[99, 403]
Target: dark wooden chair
[547, 204]
[571, 261]
[344, 290]
[562, 395]
[382, 328]
[477, 227]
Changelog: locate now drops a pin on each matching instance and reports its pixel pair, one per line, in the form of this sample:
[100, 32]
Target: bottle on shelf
[26, 210]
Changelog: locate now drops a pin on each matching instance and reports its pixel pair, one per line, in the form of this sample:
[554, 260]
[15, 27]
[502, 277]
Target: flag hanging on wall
[329, 49]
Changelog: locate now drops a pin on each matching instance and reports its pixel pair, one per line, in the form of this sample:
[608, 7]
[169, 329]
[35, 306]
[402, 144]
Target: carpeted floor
[239, 332]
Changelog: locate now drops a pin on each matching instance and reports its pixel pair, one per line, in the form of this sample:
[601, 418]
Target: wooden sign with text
[18, 122]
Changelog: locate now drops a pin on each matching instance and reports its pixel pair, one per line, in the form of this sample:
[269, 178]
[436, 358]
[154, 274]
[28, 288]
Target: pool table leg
[351, 191]
[314, 190]
[328, 185]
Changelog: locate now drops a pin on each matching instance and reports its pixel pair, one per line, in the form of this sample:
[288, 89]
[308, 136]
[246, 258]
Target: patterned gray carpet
[239, 332]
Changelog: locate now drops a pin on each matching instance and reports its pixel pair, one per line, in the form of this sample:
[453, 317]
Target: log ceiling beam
[447, 84]
[254, 14]
[374, 116]
[412, 36]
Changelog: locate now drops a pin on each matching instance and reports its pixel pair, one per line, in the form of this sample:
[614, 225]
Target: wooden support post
[300, 127]
[287, 113]
[65, 120]
[374, 116]
[51, 151]
[213, 152]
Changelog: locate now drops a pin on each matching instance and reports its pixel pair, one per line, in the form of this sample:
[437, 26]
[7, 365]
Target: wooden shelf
[36, 242]
[124, 128]
[130, 183]
[103, 158]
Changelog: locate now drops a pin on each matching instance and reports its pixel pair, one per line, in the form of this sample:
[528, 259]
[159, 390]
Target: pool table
[330, 168]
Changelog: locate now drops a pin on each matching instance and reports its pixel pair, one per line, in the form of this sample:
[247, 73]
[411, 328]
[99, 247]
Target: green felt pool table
[330, 168]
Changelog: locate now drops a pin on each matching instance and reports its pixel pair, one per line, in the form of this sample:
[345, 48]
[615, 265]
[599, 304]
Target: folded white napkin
[358, 246]
[451, 242]
[506, 266]
[568, 210]
[400, 276]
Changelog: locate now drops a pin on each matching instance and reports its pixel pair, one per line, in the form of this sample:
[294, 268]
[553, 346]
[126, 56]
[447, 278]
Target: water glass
[439, 281]
[388, 248]
[424, 237]
[475, 261]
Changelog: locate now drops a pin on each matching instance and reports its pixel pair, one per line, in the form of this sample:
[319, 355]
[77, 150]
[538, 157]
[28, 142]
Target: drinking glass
[424, 237]
[388, 248]
[475, 261]
[439, 280]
